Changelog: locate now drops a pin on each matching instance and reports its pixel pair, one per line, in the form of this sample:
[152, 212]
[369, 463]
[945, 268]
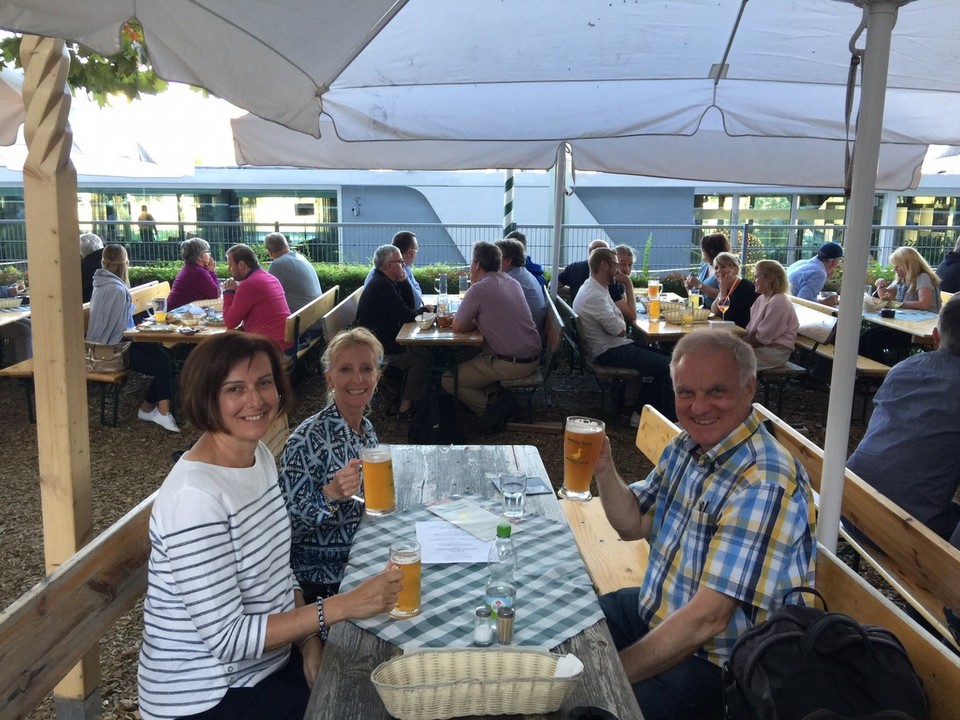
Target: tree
[128, 72]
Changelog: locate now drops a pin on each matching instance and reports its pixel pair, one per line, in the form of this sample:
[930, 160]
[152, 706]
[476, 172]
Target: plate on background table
[155, 327]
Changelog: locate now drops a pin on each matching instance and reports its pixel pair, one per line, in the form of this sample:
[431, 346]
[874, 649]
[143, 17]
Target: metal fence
[660, 248]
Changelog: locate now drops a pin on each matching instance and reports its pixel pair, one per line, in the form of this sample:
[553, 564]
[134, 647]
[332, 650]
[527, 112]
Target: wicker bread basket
[11, 302]
[436, 684]
[673, 314]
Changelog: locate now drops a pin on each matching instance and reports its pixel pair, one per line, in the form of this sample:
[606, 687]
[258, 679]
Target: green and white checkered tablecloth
[555, 599]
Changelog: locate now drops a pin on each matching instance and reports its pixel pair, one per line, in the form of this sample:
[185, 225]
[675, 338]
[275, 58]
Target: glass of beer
[582, 440]
[653, 308]
[406, 555]
[653, 287]
[379, 495]
[160, 310]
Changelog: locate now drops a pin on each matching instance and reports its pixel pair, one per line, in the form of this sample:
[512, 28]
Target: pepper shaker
[505, 617]
[483, 627]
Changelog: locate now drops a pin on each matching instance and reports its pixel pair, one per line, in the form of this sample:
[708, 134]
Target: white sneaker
[165, 421]
[148, 416]
[635, 419]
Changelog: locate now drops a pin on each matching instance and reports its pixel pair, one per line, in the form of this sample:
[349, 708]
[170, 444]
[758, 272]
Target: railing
[671, 247]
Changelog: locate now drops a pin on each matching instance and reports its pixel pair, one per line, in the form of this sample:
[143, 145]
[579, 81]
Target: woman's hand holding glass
[345, 482]
[375, 595]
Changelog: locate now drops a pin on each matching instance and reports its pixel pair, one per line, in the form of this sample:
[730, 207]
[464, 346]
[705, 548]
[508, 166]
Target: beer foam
[584, 425]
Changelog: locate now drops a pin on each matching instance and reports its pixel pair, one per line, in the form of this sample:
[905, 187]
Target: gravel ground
[130, 462]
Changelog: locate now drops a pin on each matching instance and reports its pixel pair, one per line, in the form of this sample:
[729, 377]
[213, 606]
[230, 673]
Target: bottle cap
[483, 611]
[503, 530]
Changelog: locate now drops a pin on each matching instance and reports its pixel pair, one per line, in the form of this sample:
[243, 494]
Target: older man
[535, 269]
[807, 277]
[254, 298]
[495, 305]
[406, 242]
[91, 254]
[729, 516]
[621, 290]
[605, 335]
[513, 264]
[295, 273]
[576, 273]
[386, 303]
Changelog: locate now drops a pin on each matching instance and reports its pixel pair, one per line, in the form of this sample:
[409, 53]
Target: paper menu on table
[443, 543]
[469, 516]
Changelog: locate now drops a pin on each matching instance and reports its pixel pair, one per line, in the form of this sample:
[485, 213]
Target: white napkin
[568, 666]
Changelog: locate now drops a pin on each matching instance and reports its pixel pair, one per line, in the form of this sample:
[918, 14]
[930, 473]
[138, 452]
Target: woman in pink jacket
[772, 330]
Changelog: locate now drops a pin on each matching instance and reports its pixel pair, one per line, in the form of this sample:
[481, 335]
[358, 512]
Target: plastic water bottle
[501, 562]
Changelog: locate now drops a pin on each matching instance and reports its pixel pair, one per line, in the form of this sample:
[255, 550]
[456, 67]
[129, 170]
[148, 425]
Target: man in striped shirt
[729, 516]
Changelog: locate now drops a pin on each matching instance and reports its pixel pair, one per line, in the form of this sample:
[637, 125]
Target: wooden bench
[342, 315]
[777, 378]
[299, 322]
[844, 590]
[920, 565]
[815, 338]
[110, 384]
[528, 385]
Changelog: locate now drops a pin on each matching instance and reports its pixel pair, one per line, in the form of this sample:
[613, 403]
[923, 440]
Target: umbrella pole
[63, 432]
[881, 16]
[559, 197]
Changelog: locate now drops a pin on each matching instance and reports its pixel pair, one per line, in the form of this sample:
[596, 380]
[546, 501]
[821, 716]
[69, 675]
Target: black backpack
[809, 663]
[435, 421]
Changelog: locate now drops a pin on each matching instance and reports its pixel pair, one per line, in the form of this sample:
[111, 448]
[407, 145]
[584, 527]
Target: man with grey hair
[91, 254]
[576, 273]
[295, 273]
[621, 289]
[513, 264]
[385, 304]
[252, 297]
[406, 242]
[494, 304]
[730, 519]
[909, 450]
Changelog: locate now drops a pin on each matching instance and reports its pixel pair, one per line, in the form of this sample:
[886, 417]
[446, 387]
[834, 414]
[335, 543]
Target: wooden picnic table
[423, 473]
[12, 315]
[920, 330]
[173, 336]
[661, 331]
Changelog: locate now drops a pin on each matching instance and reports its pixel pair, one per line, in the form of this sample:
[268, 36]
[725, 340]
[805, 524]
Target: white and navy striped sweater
[219, 565]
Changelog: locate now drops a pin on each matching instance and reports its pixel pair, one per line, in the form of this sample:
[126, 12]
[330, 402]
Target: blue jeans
[649, 363]
[690, 690]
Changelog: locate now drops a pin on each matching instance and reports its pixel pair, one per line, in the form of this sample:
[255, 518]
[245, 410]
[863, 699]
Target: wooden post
[63, 433]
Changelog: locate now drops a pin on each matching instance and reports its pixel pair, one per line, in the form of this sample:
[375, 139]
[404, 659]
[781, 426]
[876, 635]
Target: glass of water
[513, 491]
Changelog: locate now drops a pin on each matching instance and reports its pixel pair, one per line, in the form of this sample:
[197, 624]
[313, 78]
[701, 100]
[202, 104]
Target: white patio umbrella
[11, 105]
[709, 155]
[538, 70]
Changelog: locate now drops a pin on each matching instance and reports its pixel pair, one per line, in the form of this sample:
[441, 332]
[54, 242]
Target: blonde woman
[917, 286]
[320, 464]
[772, 330]
[111, 312]
[739, 291]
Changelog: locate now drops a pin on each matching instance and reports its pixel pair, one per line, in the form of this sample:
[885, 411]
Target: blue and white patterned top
[322, 531]
[738, 519]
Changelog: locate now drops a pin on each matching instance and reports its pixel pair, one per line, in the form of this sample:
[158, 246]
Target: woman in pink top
[772, 330]
[197, 279]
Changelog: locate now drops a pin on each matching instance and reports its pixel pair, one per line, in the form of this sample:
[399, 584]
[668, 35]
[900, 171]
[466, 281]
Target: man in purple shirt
[495, 305]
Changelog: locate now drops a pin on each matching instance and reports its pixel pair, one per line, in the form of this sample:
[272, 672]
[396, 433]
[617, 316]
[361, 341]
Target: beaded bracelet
[323, 630]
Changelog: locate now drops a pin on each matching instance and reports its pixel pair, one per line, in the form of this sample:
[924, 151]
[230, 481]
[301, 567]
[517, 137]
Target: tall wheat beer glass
[379, 495]
[582, 441]
[406, 554]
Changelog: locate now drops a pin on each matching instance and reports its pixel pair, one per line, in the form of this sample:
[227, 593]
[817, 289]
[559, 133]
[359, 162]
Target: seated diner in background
[197, 279]
[917, 288]
[716, 570]
[736, 292]
[807, 277]
[772, 330]
[226, 631]
[705, 281]
[111, 313]
[91, 255]
[19, 334]
[254, 298]
[320, 464]
[949, 270]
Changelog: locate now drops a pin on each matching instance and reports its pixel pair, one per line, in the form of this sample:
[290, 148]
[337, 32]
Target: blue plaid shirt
[738, 519]
[322, 532]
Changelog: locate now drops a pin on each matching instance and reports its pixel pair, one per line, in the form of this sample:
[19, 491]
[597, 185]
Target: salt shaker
[483, 627]
[505, 617]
